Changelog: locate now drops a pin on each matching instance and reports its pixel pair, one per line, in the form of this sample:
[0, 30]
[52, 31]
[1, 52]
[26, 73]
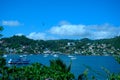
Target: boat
[20, 60]
[4, 55]
[70, 56]
[73, 58]
[55, 55]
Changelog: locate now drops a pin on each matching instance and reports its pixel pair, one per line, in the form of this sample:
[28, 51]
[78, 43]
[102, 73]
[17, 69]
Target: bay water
[94, 64]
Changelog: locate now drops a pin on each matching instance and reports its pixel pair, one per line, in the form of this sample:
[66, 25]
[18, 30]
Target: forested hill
[21, 44]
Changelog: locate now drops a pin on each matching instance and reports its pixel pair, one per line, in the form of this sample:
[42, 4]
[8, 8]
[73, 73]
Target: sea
[95, 65]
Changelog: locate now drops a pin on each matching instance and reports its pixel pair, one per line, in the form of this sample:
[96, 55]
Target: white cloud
[37, 36]
[86, 31]
[69, 30]
[40, 36]
[19, 34]
[11, 23]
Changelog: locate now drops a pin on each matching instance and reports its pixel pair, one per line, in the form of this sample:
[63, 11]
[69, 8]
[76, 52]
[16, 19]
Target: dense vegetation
[117, 58]
[56, 71]
[21, 44]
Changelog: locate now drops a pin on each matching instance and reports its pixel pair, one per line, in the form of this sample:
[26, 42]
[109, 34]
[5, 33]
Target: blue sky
[60, 19]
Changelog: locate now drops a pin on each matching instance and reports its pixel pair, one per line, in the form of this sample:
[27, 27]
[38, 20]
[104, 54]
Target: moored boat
[70, 56]
[55, 55]
[20, 60]
[4, 55]
[73, 58]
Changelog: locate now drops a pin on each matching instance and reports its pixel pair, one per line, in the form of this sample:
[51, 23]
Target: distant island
[22, 44]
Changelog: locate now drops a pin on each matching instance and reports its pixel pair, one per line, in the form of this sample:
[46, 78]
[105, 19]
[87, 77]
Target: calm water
[79, 63]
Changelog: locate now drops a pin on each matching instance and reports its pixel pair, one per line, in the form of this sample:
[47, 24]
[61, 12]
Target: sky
[60, 19]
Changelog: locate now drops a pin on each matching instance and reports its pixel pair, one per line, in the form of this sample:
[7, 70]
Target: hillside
[21, 44]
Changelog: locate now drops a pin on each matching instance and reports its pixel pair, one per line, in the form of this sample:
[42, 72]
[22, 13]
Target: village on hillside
[21, 44]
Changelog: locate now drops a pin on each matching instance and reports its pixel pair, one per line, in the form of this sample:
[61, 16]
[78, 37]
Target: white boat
[70, 56]
[4, 55]
[20, 60]
[21, 56]
[55, 55]
[73, 58]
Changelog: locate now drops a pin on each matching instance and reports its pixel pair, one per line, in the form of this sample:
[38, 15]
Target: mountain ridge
[85, 46]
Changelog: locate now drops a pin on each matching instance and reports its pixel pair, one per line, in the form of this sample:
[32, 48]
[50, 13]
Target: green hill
[22, 44]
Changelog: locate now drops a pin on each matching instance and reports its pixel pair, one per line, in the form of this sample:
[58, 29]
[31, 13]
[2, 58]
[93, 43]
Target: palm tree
[61, 70]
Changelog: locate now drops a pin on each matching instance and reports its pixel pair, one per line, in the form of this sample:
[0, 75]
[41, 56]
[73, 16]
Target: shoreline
[57, 53]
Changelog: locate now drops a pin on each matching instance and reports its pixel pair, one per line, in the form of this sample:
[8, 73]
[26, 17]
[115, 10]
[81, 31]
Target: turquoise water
[94, 64]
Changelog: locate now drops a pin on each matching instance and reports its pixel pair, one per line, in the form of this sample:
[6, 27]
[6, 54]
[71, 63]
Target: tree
[1, 29]
[3, 68]
[61, 70]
